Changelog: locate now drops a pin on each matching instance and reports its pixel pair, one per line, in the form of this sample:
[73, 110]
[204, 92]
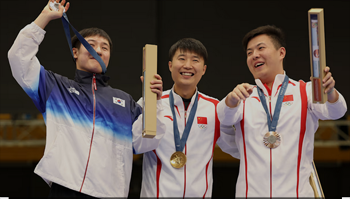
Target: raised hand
[48, 14]
[240, 92]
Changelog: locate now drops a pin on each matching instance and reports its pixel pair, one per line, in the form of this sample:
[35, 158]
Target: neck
[184, 93]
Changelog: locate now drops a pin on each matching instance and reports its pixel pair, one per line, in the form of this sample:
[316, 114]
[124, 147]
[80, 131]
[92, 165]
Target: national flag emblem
[288, 100]
[119, 101]
[202, 122]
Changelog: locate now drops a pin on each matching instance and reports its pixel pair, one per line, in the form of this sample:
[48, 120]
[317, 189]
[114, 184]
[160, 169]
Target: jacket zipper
[185, 151]
[93, 88]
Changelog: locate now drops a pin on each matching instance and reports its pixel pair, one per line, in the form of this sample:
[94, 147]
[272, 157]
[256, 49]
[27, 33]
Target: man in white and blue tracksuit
[92, 129]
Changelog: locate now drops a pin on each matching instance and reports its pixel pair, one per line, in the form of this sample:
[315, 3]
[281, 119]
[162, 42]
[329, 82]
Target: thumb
[141, 77]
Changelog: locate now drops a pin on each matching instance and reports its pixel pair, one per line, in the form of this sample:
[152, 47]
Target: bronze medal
[272, 139]
[178, 159]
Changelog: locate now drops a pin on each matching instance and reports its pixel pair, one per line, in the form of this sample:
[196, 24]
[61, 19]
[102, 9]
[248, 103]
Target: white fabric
[114, 153]
[283, 160]
[195, 178]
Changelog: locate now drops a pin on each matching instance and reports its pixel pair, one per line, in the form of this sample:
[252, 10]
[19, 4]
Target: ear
[75, 52]
[283, 52]
[170, 64]
[204, 69]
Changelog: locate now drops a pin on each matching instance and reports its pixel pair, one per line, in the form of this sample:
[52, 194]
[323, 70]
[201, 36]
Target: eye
[260, 48]
[249, 53]
[196, 60]
[92, 45]
[105, 48]
[182, 59]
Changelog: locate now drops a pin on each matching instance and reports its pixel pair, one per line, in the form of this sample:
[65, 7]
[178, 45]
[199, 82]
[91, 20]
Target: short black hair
[189, 44]
[276, 35]
[87, 32]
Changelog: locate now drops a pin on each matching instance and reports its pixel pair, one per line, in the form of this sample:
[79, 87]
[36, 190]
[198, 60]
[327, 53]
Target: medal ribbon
[88, 47]
[273, 124]
[180, 144]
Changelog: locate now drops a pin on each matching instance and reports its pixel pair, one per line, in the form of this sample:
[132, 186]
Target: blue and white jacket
[92, 128]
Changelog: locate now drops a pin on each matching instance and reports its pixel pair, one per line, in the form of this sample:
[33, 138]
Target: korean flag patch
[119, 101]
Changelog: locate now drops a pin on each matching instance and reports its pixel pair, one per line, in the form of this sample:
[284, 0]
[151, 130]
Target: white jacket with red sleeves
[195, 179]
[283, 171]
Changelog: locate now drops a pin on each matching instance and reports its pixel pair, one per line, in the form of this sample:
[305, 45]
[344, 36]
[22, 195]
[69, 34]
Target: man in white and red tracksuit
[92, 129]
[184, 106]
[275, 158]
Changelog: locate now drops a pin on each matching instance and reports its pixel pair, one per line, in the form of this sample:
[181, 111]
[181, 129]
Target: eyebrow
[256, 45]
[195, 56]
[95, 41]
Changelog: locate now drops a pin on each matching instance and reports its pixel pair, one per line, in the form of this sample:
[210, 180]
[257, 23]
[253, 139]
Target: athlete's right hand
[48, 14]
[240, 92]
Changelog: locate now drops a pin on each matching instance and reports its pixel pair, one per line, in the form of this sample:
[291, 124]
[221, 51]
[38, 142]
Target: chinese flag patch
[202, 120]
[288, 98]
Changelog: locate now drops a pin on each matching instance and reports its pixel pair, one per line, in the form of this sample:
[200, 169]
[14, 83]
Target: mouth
[186, 74]
[257, 65]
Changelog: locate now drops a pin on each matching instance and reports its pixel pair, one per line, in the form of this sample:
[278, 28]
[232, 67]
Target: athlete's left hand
[328, 83]
[156, 86]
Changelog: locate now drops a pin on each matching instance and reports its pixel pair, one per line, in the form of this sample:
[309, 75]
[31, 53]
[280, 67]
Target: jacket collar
[279, 78]
[86, 78]
[178, 99]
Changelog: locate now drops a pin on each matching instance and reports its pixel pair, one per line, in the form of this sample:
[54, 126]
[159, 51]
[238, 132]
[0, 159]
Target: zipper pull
[269, 98]
[94, 82]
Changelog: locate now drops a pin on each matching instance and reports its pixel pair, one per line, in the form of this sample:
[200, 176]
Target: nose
[98, 50]
[256, 55]
[188, 64]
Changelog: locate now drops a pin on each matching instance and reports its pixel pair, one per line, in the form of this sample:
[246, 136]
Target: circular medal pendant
[272, 139]
[178, 159]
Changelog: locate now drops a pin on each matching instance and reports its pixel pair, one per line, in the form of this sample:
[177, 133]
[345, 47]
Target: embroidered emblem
[288, 100]
[119, 101]
[73, 90]
[202, 122]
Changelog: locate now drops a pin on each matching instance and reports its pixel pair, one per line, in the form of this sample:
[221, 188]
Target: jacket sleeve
[227, 141]
[326, 111]
[142, 145]
[229, 116]
[22, 57]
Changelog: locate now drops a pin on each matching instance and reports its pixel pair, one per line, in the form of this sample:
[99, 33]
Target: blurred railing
[27, 135]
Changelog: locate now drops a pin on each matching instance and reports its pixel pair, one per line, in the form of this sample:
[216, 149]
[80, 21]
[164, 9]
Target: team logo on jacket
[73, 90]
[119, 101]
[202, 122]
[288, 100]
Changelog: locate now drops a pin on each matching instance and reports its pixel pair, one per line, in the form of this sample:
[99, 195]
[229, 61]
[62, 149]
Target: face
[85, 61]
[186, 69]
[263, 59]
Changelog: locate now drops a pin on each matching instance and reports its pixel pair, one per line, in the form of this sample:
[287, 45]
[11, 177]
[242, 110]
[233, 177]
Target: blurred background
[219, 25]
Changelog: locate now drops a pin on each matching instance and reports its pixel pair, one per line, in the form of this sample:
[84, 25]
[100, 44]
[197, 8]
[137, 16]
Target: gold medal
[272, 139]
[178, 159]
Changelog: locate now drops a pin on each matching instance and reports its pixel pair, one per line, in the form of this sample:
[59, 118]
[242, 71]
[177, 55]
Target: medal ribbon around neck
[88, 47]
[180, 144]
[273, 124]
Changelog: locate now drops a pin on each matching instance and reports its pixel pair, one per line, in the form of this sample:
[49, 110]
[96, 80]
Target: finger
[158, 76]
[67, 6]
[141, 77]
[327, 77]
[233, 99]
[239, 94]
[327, 69]
[63, 2]
[156, 82]
[329, 84]
[244, 90]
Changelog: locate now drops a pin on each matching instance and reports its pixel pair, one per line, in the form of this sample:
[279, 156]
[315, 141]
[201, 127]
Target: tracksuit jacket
[283, 171]
[195, 179]
[92, 129]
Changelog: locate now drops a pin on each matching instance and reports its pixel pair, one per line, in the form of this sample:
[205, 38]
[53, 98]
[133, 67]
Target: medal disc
[178, 159]
[272, 139]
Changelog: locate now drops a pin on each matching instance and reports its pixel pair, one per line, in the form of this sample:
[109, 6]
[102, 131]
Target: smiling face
[187, 68]
[85, 61]
[263, 59]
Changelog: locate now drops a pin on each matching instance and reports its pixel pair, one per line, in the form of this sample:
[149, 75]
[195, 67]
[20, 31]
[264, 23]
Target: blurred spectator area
[22, 138]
